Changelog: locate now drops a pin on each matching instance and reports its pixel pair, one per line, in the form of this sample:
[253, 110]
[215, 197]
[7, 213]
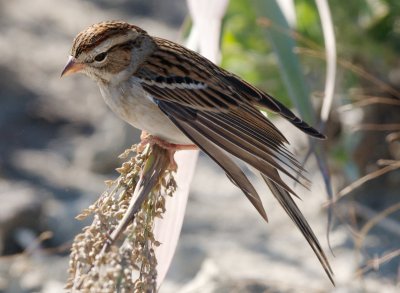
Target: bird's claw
[147, 138]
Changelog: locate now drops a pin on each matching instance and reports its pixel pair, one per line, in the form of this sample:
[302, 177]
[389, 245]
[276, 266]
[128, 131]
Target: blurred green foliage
[367, 34]
[246, 51]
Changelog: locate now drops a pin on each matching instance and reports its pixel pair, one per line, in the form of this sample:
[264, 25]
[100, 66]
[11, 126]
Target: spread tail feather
[290, 207]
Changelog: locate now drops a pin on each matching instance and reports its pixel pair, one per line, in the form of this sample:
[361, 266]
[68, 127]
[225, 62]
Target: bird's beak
[72, 66]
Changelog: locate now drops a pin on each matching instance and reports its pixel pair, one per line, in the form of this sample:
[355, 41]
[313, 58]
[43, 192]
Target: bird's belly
[150, 118]
[133, 106]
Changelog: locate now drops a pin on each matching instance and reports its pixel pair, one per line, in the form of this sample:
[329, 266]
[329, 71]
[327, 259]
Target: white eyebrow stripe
[111, 42]
[182, 85]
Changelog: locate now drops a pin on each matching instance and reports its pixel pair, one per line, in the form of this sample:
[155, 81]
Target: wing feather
[234, 173]
[199, 132]
[229, 90]
[232, 144]
[220, 112]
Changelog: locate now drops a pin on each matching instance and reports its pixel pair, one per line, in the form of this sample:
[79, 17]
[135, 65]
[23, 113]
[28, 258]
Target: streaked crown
[97, 33]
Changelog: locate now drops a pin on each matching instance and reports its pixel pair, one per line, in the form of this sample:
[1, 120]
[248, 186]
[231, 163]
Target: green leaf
[284, 45]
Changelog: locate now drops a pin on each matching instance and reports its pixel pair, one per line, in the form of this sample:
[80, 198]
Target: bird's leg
[147, 138]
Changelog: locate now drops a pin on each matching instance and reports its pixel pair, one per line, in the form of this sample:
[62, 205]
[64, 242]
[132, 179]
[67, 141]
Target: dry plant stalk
[116, 252]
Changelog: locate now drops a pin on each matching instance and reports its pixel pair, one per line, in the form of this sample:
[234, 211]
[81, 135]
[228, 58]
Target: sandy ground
[59, 143]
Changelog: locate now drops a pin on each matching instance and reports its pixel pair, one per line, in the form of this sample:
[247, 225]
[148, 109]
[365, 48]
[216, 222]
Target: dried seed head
[95, 269]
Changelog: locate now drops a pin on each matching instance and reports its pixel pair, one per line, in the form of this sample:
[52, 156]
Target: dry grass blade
[315, 50]
[353, 68]
[378, 127]
[116, 252]
[359, 240]
[367, 101]
[376, 262]
[395, 165]
[330, 49]
[373, 221]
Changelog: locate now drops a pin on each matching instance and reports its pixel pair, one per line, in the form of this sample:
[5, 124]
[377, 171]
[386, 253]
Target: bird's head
[109, 51]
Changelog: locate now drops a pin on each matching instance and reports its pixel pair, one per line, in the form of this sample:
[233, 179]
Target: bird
[181, 100]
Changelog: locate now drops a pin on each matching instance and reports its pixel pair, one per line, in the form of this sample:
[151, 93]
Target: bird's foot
[146, 138]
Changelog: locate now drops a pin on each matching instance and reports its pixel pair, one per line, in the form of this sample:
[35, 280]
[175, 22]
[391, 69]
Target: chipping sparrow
[180, 98]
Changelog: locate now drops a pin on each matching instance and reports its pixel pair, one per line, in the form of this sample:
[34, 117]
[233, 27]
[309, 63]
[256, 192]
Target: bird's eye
[100, 57]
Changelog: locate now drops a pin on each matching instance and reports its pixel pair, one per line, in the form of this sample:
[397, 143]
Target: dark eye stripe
[127, 45]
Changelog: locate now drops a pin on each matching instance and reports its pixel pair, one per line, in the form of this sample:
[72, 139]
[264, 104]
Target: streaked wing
[241, 135]
[233, 172]
[208, 140]
[202, 94]
[217, 110]
[265, 101]
[217, 89]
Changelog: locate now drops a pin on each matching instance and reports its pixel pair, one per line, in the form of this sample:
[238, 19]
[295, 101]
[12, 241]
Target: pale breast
[130, 102]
